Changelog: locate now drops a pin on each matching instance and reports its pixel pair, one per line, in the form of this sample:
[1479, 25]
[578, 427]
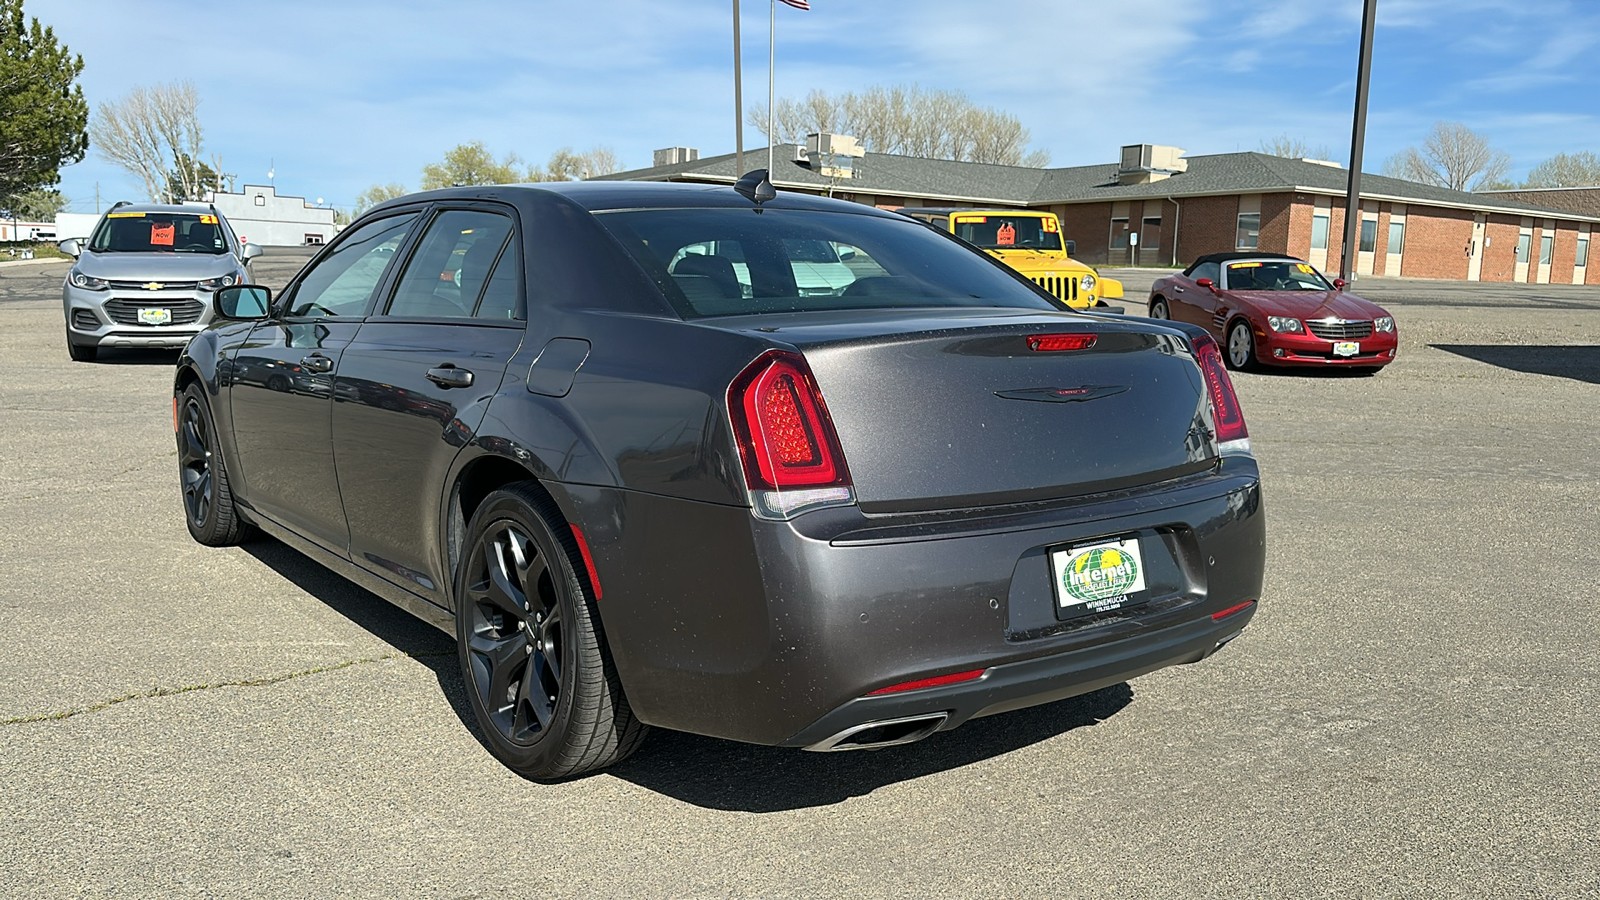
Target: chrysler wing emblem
[152, 285]
[1063, 394]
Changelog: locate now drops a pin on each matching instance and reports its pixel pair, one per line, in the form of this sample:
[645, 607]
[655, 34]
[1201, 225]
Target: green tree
[190, 179]
[376, 194]
[1566, 170]
[911, 121]
[42, 110]
[471, 164]
[37, 205]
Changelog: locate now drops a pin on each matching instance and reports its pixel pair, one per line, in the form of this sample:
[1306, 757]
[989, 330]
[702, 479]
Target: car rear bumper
[778, 632]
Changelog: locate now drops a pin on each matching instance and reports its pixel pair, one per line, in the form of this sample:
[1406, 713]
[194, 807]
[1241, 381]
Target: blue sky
[338, 95]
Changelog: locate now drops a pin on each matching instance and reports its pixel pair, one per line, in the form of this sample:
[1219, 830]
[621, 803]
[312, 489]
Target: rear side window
[736, 261]
[447, 274]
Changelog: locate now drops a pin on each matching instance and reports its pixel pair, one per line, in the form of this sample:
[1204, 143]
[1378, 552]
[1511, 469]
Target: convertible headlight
[1284, 323]
[1384, 323]
[1086, 284]
[87, 282]
[220, 282]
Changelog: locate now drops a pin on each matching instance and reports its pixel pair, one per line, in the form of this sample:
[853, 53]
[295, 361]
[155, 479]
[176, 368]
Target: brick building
[1158, 207]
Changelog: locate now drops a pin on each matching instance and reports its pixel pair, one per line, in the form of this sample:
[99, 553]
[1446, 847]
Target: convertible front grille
[1339, 329]
[125, 310]
[1063, 287]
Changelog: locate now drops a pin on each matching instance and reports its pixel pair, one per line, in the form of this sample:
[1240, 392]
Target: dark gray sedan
[649, 470]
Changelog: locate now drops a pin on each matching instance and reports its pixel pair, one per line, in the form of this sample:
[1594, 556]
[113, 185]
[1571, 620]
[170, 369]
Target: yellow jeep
[1029, 241]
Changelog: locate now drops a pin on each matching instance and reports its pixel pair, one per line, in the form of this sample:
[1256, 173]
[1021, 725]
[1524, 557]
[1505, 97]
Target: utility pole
[738, 99]
[1358, 136]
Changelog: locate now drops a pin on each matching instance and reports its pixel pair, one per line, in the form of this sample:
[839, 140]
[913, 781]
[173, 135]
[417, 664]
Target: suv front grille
[165, 285]
[1339, 329]
[125, 311]
[1064, 287]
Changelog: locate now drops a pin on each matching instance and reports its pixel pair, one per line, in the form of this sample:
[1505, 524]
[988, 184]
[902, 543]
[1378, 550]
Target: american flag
[798, 4]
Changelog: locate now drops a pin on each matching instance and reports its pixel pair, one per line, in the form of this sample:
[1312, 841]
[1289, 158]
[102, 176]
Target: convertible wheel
[541, 682]
[1241, 346]
[212, 518]
[1158, 309]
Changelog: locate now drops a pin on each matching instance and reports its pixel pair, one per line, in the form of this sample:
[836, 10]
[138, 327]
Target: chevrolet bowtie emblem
[153, 285]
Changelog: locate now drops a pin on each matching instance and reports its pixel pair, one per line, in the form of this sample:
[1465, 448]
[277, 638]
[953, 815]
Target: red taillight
[785, 436]
[935, 681]
[588, 560]
[1051, 343]
[1236, 608]
[1224, 402]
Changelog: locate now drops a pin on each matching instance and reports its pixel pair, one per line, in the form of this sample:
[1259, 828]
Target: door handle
[318, 363]
[449, 376]
[1176, 289]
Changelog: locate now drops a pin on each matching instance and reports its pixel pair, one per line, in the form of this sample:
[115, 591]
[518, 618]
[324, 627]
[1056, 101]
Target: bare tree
[1566, 170]
[912, 121]
[1453, 156]
[565, 165]
[1293, 148]
[155, 134]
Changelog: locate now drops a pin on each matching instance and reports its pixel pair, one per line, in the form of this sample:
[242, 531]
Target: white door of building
[1475, 250]
[1580, 264]
[1547, 244]
[1524, 249]
[1367, 239]
[1321, 219]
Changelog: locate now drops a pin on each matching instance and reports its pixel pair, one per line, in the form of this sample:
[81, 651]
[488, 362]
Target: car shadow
[130, 356]
[1579, 362]
[735, 777]
[710, 772]
[382, 619]
[1309, 372]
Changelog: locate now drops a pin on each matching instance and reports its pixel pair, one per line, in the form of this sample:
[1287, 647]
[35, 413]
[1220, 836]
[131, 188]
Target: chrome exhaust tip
[882, 733]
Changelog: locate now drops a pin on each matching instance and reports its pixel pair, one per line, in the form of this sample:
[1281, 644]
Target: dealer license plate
[157, 316]
[1346, 348]
[1097, 577]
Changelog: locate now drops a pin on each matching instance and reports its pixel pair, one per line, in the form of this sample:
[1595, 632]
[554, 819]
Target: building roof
[890, 175]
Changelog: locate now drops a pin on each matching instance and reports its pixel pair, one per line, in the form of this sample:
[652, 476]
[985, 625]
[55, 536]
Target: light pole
[1358, 136]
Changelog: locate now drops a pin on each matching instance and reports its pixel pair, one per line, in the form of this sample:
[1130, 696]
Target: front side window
[341, 283]
[1249, 234]
[721, 262]
[1207, 270]
[446, 275]
[159, 232]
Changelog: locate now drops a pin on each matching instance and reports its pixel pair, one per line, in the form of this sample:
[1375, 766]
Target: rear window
[159, 232]
[729, 261]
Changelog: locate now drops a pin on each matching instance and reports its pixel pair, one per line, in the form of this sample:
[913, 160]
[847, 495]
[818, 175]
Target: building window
[260, 200]
[1369, 235]
[1249, 237]
[1119, 234]
[1546, 245]
[1524, 240]
[1583, 251]
[1319, 231]
[1397, 237]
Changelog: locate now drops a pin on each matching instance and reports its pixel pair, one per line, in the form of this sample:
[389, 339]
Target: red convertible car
[1270, 308]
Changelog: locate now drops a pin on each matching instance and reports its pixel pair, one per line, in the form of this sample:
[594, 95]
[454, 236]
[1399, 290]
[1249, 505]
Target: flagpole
[772, 31]
[738, 99]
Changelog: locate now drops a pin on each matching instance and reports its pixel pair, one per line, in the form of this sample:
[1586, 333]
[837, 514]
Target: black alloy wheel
[538, 677]
[1158, 309]
[1241, 350]
[207, 496]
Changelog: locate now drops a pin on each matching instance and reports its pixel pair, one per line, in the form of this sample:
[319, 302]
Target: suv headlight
[220, 282]
[1284, 323]
[1086, 284]
[1384, 323]
[87, 282]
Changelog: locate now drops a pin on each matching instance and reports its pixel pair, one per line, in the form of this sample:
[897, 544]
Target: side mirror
[846, 253]
[251, 251]
[242, 301]
[71, 247]
[1338, 284]
[1072, 248]
[1207, 283]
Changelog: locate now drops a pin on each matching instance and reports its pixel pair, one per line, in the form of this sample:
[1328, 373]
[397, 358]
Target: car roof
[596, 196]
[1234, 255]
[973, 210]
[190, 208]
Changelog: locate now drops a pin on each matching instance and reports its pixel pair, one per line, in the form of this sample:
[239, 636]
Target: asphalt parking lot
[1413, 712]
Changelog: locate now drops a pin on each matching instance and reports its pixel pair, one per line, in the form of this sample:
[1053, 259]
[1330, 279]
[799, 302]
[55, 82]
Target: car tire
[1240, 351]
[82, 352]
[538, 675]
[1158, 309]
[208, 507]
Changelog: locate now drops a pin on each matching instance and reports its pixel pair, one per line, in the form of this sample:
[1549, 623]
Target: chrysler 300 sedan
[643, 485]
